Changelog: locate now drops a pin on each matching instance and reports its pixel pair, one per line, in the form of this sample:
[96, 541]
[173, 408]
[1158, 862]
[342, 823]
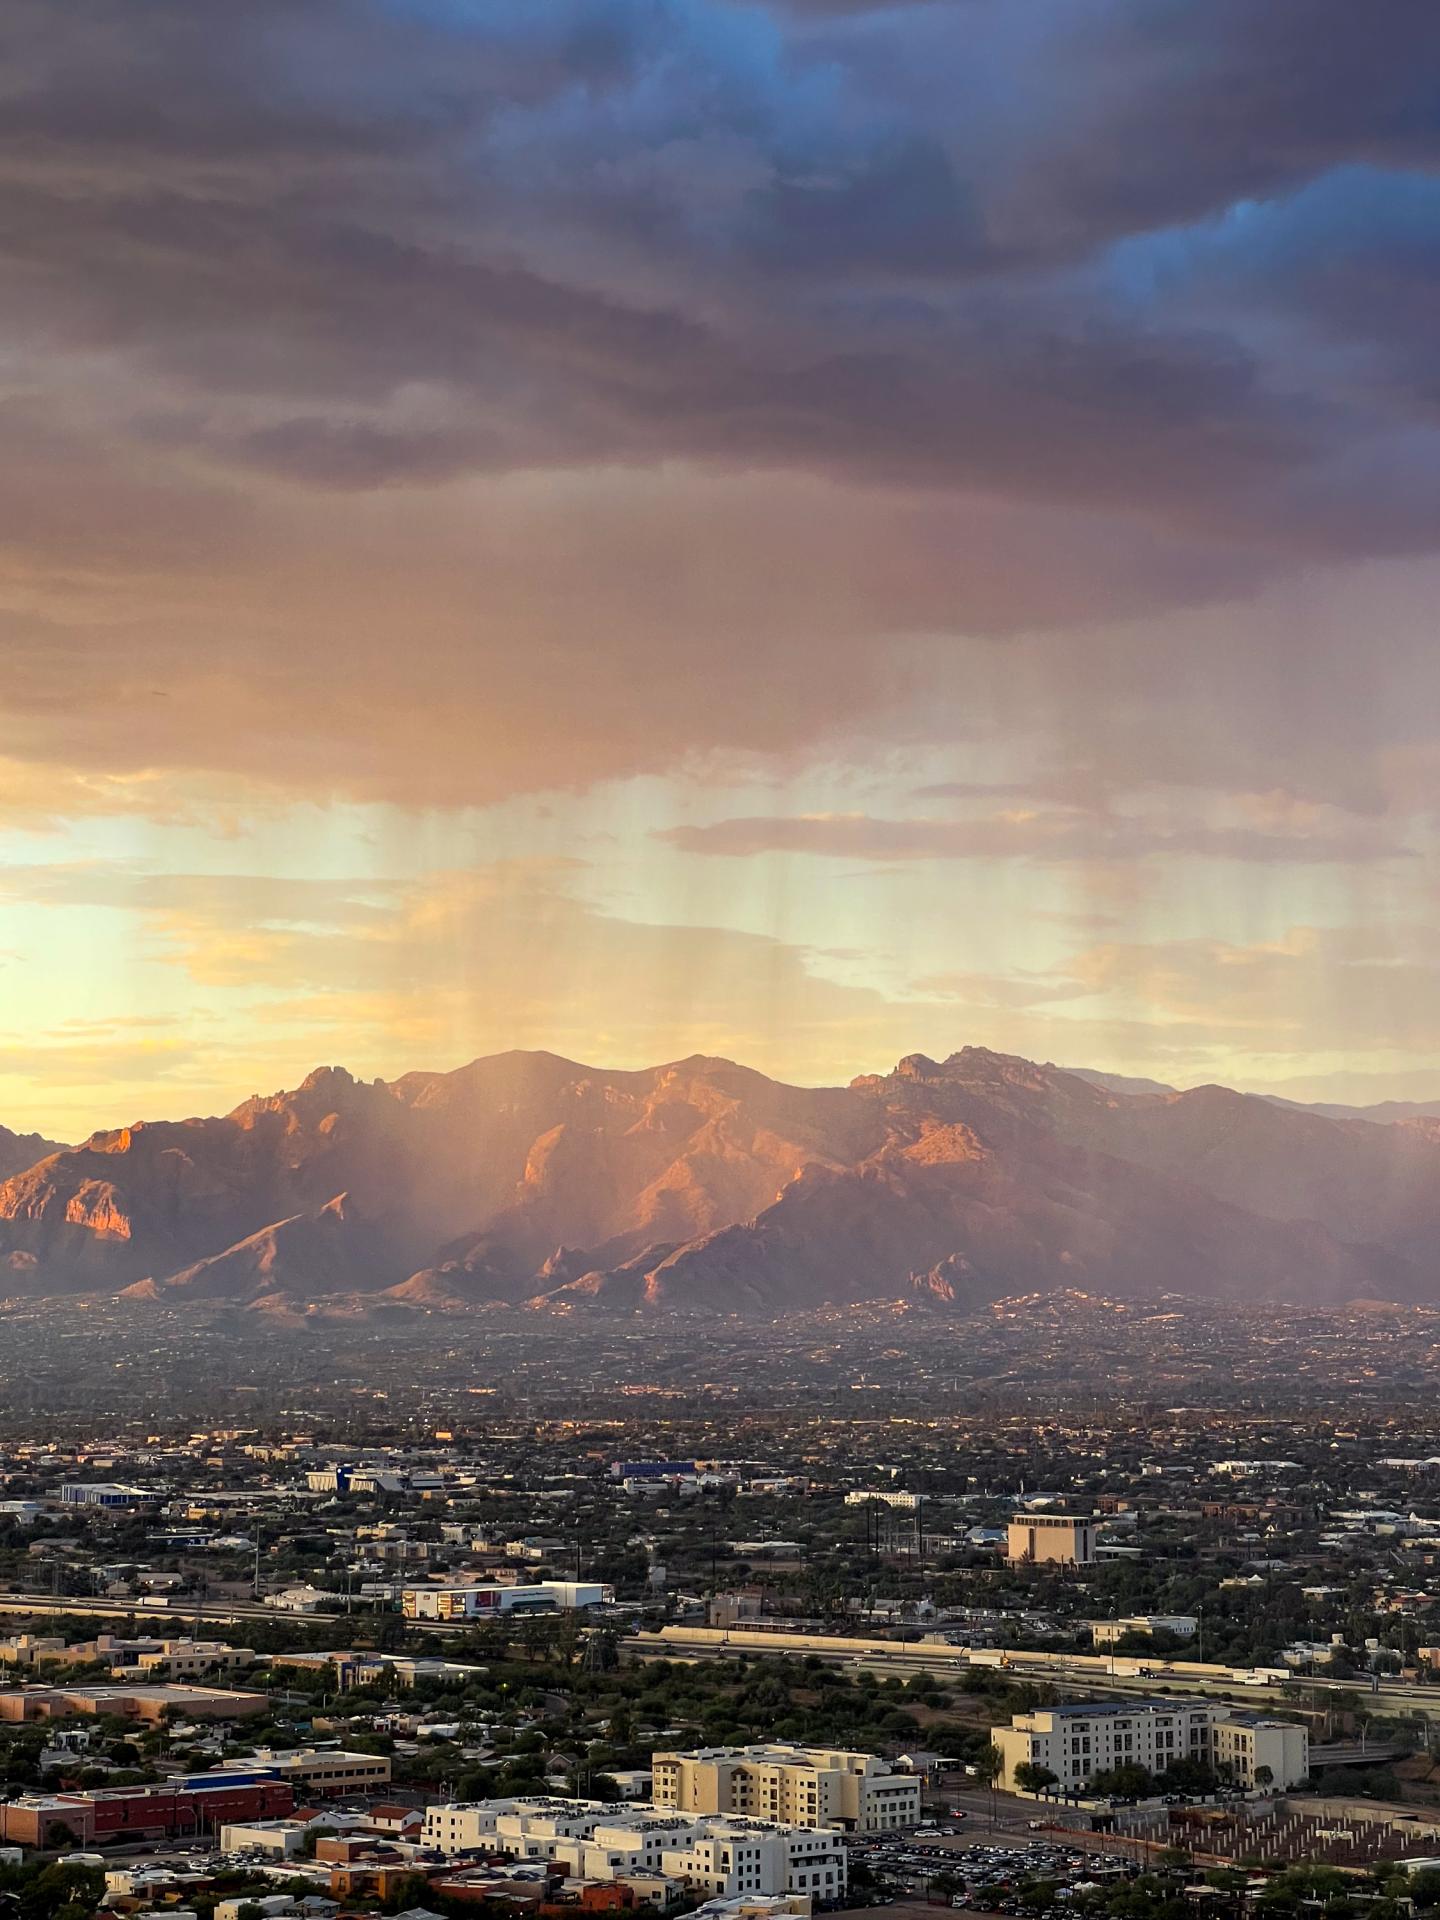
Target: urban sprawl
[647, 1660]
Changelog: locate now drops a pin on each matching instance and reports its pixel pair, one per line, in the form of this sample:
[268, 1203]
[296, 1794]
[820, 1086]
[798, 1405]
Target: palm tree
[989, 1765]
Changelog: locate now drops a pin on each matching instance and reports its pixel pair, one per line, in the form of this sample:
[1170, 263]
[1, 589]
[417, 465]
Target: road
[879, 1657]
[232, 1612]
[1058, 1668]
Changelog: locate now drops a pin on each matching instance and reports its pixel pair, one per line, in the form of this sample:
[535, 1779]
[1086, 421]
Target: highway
[181, 1613]
[1083, 1673]
[1079, 1672]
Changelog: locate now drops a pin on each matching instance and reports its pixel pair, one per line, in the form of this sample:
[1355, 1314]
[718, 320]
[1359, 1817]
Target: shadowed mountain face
[21, 1150]
[706, 1187]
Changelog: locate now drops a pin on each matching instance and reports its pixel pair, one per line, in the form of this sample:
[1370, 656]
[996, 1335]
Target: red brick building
[141, 1813]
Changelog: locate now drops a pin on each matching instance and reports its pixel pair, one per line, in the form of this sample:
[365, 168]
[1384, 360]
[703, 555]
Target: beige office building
[329, 1772]
[799, 1786]
[1107, 1633]
[1256, 1752]
[1054, 1539]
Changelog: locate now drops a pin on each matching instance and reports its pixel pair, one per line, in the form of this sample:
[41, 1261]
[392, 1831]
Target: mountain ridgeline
[704, 1187]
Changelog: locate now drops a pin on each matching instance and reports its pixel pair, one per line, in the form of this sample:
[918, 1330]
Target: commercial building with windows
[713, 1854]
[478, 1603]
[1075, 1743]
[802, 1786]
[327, 1772]
[1054, 1539]
[132, 1701]
[1106, 1633]
[190, 1807]
[106, 1493]
[1258, 1752]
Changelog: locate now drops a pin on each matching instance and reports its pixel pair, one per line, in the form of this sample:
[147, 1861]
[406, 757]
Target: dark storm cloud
[1184, 107]
[870, 241]
[692, 346]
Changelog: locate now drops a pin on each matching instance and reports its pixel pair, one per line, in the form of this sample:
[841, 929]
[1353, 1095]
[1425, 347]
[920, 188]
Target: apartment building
[1075, 1743]
[1053, 1539]
[714, 1854]
[800, 1786]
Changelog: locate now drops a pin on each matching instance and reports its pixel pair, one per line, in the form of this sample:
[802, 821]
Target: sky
[809, 531]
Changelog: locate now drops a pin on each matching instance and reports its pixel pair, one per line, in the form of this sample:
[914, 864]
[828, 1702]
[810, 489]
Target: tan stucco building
[800, 1786]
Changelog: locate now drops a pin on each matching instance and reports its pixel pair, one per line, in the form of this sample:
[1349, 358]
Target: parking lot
[987, 1869]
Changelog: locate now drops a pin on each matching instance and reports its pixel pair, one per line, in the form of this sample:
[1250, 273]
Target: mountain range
[702, 1186]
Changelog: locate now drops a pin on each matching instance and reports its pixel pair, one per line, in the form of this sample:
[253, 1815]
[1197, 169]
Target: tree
[1040, 1895]
[1127, 1781]
[1187, 1774]
[1264, 1777]
[1033, 1778]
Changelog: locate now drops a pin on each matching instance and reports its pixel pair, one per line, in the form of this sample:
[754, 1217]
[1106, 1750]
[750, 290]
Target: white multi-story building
[799, 1786]
[1074, 1743]
[714, 1854]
